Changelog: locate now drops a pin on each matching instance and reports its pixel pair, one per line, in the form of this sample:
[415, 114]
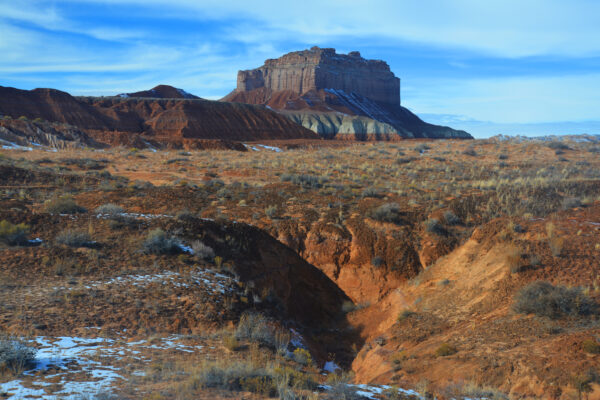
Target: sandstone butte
[341, 96]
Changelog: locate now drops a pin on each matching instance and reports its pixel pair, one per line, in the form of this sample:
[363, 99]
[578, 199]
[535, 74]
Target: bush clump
[371, 192]
[546, 300]
[591, 346]
[434, 226]
[63, 205]
[185, 215]
[389, 212]
[12, 234]
[74, 238]
[271, 211]
[15, 355]
[302, 356]
[255, 327]
[158, 242]
[470, 152]
[556, 145]
[234, 375]
[377, 261]
[445, 350]
[203, 251]
[305, 181]
[451, 218]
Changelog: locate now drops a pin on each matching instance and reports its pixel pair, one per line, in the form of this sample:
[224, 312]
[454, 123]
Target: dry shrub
[434, 226]
[591, 346]
[445, 350]
[231, 343]
[73, 238]
[13, 234]
[255, 327]
[203, 251]
[158, 242]
[544, 299]
[302, 356]
[514, 258]
[15, 355]
[236, 375]
[555, 242]
[389, 212]
[556, 245]
[63, 205]
[451, 218]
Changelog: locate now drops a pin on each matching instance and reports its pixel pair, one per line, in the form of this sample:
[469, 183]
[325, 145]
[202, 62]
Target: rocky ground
[301, 269]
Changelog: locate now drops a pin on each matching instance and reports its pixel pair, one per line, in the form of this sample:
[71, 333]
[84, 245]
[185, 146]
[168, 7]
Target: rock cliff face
[314, 69]
[169, 122]
[334, 90]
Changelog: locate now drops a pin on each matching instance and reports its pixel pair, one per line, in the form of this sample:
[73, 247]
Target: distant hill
[161, 92]
[171, 122]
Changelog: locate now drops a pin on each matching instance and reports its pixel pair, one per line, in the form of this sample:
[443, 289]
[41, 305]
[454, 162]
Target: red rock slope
[171, 122]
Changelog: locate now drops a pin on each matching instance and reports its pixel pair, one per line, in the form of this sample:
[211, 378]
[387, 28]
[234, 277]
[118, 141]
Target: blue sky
[529, 66]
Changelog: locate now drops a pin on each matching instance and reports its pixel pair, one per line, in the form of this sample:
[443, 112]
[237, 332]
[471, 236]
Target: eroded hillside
[455, 269]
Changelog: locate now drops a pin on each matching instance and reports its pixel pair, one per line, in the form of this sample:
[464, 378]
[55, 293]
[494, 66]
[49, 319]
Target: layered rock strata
[341, 96]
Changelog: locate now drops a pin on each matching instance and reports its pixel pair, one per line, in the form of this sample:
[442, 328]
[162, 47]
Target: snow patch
[272, 148]
[75, 367]
[6, 145]
[330, 366]
[186, 249]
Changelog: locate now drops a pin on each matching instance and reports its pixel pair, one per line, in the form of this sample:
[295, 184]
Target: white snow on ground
[186, 249]
[370, 391]
[251, 147]
[6, 145]
[264, 146]
[17, 391]
[150, 147]
[272, 148]
[72, 367]
[66, 355]
[212, 280]
[132, 215]
[297, 340]
[330, 366]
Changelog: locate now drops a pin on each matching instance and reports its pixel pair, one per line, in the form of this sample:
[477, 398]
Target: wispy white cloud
[512, 28]
[39, 13]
